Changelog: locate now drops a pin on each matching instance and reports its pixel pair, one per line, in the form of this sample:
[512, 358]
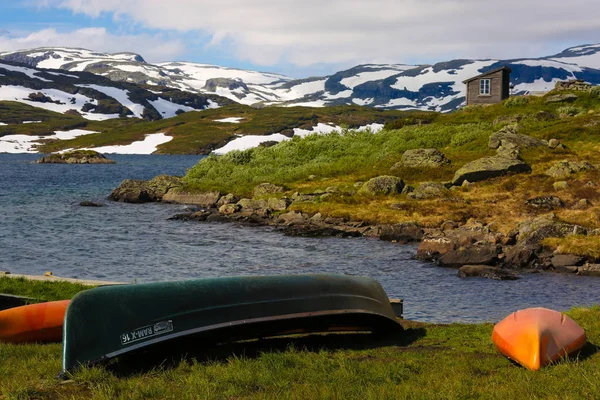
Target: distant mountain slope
[96, 97]
[435, 87]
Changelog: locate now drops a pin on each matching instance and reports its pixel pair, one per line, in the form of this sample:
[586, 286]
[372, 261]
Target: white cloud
[151, 47]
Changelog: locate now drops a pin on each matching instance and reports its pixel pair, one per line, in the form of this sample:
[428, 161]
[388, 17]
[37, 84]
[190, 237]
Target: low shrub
[569, 111]
[595, 92]
[516, 101]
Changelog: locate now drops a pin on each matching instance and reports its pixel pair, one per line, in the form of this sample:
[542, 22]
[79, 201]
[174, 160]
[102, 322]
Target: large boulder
[485, 271]
[482, 254]
[75, 157]
[422, 158]
[563, 169]
[202, 199]
[401, 233]
[431, 249]
[385, 185]
[141, 191]
[429, 190]
[507, 138]
[489, 167]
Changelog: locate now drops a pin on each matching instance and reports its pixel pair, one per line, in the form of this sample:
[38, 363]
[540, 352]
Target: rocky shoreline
[474, 248]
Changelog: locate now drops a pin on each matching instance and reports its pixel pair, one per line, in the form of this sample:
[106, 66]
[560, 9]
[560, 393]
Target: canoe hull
[41, 322]
[536, 337]
[130, 318]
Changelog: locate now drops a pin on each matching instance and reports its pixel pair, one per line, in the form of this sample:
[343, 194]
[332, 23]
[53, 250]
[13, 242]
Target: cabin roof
[488, 73]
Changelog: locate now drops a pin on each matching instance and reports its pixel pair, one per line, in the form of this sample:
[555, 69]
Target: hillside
[435, 87]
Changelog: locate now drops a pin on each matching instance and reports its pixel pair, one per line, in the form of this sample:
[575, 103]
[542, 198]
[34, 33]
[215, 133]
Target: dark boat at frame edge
[111, 321]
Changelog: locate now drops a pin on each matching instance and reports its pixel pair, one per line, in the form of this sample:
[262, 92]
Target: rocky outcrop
[422, 158]
[382, 185]
[428, 190]
[490, 167]
[485, 271]
[574, 84]
[88, 203]
[401, 233]
[267, 189]
[140, 191]
[565, 168]
[477, 254]
[75, 157]
[508, 143]
[202, 199]
[545, 203]
[561, 98]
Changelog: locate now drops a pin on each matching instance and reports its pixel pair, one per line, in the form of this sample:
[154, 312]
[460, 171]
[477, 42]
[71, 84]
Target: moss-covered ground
[426, 361]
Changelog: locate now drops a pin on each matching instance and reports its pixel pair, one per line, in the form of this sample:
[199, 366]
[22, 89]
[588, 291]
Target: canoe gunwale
[229, 324]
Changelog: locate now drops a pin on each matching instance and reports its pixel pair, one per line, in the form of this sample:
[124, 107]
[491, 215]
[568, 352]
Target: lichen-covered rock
[485, 271]
[385, 185]
[565, 168]
[203, 199]
[483, 254]
[422, 158]
[228, 209]
[545, 203]
[253, 205]
[75, 157]
[507, 138]
[265, 189]
[429, 190]
[278, 204]
[560, 185]
[490, 167]
[228, 199]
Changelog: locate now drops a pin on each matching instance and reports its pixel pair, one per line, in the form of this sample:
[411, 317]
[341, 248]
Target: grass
[42, 290]
[427, 361]
[576, 244]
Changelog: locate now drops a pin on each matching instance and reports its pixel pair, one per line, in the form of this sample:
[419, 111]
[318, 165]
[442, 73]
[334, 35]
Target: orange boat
[536, 337]
[41, 322]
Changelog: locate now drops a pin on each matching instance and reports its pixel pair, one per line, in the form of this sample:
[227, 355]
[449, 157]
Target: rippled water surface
[43, 228]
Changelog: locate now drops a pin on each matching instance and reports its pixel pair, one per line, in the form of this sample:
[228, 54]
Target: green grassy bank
[427, 361]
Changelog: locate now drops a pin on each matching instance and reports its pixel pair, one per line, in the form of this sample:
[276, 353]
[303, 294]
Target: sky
[302, 38]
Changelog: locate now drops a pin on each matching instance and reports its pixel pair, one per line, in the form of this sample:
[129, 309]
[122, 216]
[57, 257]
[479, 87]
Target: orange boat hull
[33, 323]
[536, 337]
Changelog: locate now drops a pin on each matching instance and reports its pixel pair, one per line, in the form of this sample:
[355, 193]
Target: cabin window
[484, 87]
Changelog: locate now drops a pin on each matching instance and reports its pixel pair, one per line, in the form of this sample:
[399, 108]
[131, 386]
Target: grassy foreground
[427, 361]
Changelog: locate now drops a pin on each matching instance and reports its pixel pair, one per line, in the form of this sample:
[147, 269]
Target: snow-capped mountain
[436, 87]
[95, 97]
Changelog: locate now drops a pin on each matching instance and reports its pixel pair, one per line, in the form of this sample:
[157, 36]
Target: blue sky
[300, 39]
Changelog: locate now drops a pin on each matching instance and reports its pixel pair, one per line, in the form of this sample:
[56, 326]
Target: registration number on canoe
[146, 332]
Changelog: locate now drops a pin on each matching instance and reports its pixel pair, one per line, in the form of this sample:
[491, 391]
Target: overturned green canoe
[111, 321]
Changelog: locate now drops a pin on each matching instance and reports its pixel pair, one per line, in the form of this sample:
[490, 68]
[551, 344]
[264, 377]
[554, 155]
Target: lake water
[43, 228]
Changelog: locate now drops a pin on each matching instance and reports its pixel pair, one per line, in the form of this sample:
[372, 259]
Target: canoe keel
[107, 322]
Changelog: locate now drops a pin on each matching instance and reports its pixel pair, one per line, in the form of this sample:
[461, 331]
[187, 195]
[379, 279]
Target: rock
[252, 204]
[140, 191]
[489, 167]
[560, 185]
[358, 185]
[561, 98]
[382, 185]
[199, 216]
[485, 271]
[533, 232]
[565, 260]
[75, 157]
[290, 218]
[422, 158]
[204, 199]
[545, 203]
[582, 204]
[304, 197]
[544, 116]
[332, 189]
[408, 189]
[563, 169]
[401, 233]
[485, 254]
[448, 226]
[228, 209]
[553, 143]
[227, 199]
[87, 203]
[429, 190]
[573, 84]
[265, 189]
[310, 230]
[520, 255]
[510, 139]
[278, 204]
[589, 270]
[433, 248]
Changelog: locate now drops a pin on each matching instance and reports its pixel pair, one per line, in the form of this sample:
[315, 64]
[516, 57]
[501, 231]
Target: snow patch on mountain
[249, 141]
[27, 71]
[168, 109]
[121, 95]
[147, 146]
[230, 120]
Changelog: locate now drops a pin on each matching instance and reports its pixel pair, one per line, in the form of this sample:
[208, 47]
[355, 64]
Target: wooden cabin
[491, 87]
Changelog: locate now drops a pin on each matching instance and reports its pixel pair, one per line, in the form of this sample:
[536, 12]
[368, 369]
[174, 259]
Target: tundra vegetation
[426, 361]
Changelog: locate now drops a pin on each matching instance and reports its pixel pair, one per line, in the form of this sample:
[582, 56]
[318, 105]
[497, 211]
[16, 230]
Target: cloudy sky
[303, 37]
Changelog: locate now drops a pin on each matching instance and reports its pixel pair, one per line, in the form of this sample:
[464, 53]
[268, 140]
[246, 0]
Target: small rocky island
[75, 157]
